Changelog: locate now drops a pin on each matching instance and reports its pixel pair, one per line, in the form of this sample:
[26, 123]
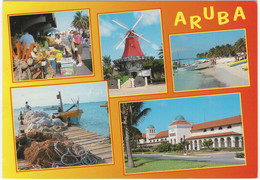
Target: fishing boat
[50, 108]
[203, 65]
[72, 116]
[237, 62]
[245, 67]
[198, 65]
[103, 105]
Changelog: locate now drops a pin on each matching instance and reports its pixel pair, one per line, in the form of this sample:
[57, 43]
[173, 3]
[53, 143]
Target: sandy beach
[222, 75]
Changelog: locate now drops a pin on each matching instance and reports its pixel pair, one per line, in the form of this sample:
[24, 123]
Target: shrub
[164, 147]
[240, 155]
[135, 150]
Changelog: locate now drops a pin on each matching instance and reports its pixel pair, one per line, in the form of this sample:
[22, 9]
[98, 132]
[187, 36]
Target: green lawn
[148, 165]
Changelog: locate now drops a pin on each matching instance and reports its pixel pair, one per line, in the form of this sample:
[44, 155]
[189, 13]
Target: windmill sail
[132, 45]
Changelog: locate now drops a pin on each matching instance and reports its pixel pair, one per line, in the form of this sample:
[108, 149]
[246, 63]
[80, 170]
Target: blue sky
[46, 95]
[111, 33]
[188, 45]
[64, 19]
[194, 109]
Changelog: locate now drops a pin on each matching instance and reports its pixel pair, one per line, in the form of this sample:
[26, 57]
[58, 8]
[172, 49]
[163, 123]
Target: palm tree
[81, 21]
[107, 68]
[132, 114]
[160, 54]
[106, 61]
[240, 45]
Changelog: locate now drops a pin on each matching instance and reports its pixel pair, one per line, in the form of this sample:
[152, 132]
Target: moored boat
[72, 116]
[50, 108]
[237, 62]
[198, 65]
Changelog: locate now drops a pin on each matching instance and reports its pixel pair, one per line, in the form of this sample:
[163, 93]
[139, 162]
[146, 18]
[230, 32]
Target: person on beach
[78, 47]
[27, 107]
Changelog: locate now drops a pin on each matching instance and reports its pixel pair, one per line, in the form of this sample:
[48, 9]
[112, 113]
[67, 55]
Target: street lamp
[184, 149]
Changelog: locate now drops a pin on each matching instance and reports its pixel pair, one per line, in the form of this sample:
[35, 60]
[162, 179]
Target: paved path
[138, 90]
[226, 158]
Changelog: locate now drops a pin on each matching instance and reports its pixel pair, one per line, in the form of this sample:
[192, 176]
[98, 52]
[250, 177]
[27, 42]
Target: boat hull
[237, 62]
[203, 65]
[74, 116]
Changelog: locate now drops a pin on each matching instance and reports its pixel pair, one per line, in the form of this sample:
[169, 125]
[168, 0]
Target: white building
[225, 132]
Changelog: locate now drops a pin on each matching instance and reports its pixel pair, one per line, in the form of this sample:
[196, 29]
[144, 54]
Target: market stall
[43, 60]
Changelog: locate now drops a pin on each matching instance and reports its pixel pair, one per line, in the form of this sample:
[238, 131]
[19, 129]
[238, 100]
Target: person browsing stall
[78, 47]
[27, 38]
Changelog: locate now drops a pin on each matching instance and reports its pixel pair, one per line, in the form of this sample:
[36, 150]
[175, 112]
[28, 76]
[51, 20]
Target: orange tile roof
[213, 135]
[161, 134]
[180, 122]
[143, 136]
[220, 122]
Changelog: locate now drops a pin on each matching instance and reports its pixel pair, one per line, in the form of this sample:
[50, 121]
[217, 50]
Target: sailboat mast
[59, 97]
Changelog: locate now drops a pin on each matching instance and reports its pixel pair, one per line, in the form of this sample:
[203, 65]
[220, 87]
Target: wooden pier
[95, 143]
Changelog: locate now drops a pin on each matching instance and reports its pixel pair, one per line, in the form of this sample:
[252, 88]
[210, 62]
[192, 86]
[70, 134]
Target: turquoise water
[188, 61]
[94, 117]
[187, 80]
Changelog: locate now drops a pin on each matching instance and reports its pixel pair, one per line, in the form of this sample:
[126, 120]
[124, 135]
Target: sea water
[94, 117]
[187, 80]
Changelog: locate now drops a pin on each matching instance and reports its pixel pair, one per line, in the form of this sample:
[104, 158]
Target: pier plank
[84, 137]
[86, 141]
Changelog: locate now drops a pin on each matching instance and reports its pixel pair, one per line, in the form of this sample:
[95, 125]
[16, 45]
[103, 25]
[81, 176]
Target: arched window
[212, 129]
[220, 128]
[205, 130]
[229, 126]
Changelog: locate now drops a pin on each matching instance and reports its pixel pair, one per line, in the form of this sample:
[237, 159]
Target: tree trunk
[128, 150]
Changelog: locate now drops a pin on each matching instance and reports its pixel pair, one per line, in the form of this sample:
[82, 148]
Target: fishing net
[51, 150]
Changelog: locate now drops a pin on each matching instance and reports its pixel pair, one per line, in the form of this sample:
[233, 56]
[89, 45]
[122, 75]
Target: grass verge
[149, 165]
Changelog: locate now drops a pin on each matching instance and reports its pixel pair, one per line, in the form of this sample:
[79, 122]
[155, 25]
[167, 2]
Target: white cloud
[155, 47]
[150, 17]
[106, 28]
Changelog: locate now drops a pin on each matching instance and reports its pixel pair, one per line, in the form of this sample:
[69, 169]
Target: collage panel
[50, 45]
[183, 133]
[61, 126]
[132, 52]
[210, 60]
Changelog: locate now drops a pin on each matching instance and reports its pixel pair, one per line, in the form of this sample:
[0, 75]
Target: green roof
[150, 126]
[180, 117]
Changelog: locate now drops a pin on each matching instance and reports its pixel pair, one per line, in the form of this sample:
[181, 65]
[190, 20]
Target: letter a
[223, 18]
[239, 13]
[180, 18]
[205, 10]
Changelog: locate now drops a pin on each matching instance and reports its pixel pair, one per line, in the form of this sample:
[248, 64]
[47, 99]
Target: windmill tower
[133, 56]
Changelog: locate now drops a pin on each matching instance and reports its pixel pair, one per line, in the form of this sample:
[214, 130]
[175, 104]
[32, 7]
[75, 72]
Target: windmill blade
[137, 21]
[140, 36]
[120, 25]
[122, 41]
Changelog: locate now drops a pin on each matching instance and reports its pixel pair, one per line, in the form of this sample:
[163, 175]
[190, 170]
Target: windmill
[132, 46]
